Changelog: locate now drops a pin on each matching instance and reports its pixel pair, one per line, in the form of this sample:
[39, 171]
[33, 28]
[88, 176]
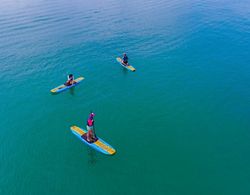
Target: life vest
[90, 122]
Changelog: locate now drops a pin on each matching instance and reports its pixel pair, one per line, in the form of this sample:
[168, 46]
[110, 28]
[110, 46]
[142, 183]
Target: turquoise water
[180, 123]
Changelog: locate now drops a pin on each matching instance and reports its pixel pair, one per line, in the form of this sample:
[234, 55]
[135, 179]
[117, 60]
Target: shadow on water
[92, 157]
[72, 91]
[125, 71]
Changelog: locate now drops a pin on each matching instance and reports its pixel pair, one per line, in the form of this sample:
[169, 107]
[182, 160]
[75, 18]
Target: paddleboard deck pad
[129, 67]
[97, 144]
[65, 87]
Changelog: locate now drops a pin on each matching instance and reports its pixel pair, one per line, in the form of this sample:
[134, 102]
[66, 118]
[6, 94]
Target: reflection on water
[125, 71]
[72, 91]
[92, 157]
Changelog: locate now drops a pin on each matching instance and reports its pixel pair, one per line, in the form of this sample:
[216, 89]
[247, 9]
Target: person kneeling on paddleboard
[125, 59]
[90, 127]
[70, 80]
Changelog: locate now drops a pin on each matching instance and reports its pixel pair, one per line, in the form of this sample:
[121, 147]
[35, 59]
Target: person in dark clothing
[125, 59]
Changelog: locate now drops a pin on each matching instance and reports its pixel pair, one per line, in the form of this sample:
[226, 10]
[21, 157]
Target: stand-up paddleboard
[65, 87]
[129, 67]
[98, 144]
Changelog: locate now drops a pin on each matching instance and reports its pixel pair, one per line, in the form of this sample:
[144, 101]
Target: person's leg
[93, 133]
[88, 139]
[88, 135]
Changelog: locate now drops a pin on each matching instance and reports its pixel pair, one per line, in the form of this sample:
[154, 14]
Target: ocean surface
[180, 123]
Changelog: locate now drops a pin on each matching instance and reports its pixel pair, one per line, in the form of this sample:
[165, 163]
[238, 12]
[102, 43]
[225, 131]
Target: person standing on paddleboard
[90, 127]
[125, 59]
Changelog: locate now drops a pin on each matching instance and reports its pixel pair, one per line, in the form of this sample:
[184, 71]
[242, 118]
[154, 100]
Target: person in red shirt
[90, 128]
[70, 80]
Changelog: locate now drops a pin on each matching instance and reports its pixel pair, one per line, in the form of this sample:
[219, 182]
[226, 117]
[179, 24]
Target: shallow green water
[180, 123]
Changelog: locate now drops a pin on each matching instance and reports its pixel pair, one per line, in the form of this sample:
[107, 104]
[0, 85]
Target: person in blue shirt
[125, 59]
